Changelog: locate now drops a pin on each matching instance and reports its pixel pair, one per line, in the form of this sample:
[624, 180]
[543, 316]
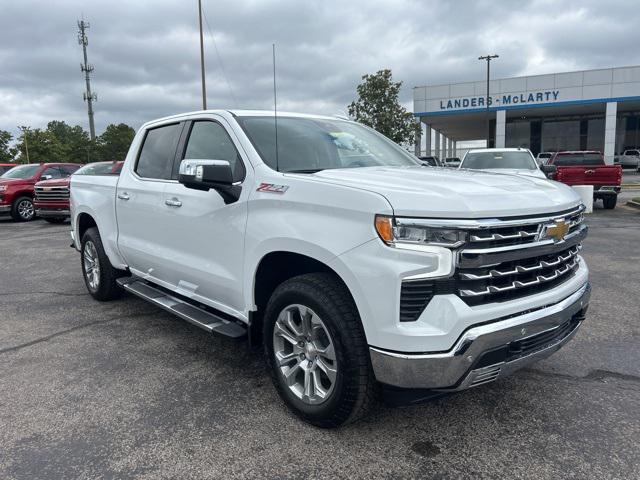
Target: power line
[87, 68]
[215, 46]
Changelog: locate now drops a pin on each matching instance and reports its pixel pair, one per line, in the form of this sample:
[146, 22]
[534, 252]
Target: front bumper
[4, 209]
[52, 213]
[486, 352]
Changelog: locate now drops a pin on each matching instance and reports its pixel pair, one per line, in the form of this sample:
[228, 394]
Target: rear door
[206, 238]
[140, 210]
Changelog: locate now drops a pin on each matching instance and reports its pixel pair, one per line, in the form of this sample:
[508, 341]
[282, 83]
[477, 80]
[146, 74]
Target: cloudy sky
[146, 53]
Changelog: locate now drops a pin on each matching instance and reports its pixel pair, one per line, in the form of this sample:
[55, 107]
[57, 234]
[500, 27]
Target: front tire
[610, 202]
[99, 275]
[23, 210]
[317, 351]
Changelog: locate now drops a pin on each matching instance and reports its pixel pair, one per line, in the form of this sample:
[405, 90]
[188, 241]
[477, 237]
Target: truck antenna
[275, 105]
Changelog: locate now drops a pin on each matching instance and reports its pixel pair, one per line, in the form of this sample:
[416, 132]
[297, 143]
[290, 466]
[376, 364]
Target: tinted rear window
[568, 159]
[158, 152]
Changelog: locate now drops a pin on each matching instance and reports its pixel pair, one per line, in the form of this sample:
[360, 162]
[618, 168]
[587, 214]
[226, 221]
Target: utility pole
[25, 130]
[488, 58]
[87, 69]
[204, 88]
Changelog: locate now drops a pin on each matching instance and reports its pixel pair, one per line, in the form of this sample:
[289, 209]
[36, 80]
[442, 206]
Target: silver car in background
[517, 161]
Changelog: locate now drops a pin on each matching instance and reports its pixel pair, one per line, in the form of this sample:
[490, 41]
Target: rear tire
[322, 372]
[610, 202]
[99, 275]
[23, 210]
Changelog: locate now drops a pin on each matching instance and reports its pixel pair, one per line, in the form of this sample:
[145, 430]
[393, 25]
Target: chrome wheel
[91, 265]
[25, 209]
[304, 354]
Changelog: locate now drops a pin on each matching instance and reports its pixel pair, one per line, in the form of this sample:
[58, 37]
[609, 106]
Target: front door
[206, 236]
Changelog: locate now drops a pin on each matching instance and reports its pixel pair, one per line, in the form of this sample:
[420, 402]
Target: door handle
[123, 196]
[589, 171]
[173, 202]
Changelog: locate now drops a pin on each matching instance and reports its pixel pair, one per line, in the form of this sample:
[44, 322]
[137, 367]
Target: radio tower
[87, 68]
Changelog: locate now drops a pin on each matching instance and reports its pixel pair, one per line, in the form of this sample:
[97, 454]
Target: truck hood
[515, 171]
[446, 193]
[16, 181]
[54, 182]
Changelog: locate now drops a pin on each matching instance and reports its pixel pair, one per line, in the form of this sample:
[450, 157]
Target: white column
[427, 137]
[444, 146]
[610, 132]
[501, 117]
[417, 143]
[450, 147]
[455, 148]
[437, 152]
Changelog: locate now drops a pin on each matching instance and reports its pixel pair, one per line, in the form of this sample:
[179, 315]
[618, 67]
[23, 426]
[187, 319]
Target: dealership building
[587, 110]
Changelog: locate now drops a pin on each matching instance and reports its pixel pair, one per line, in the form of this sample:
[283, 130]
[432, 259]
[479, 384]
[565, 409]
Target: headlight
[393, 231]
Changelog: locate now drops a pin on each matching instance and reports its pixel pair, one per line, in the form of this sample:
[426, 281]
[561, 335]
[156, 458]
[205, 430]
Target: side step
[201, 318]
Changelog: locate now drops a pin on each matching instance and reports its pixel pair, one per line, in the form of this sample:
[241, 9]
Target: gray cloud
[147, 60]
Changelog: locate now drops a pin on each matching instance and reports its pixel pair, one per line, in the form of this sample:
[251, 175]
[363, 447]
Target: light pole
[25, 130]
[488, 58]
[204, 88]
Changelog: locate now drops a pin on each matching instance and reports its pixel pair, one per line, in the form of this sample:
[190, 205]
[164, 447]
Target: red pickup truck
[17, 187]
[52, 196]
[588, 168]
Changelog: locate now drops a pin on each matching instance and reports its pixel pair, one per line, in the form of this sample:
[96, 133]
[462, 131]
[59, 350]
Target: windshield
[311, 144]
[490, 160]
[22, 171]
[99, 168]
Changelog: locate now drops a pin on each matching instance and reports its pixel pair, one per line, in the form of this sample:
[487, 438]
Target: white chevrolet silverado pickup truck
[352, 263]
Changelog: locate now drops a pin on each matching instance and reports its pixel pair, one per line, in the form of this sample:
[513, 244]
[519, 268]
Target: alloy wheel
[91, 265]
[305, 354]
[25, 209]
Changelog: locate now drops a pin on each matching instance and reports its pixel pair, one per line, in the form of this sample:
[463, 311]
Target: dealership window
[561, 135]
[595, 134]
[518, 134]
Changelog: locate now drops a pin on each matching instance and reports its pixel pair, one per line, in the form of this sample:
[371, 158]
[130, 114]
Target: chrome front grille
[507, 259]
[503, 259]
[52, 193]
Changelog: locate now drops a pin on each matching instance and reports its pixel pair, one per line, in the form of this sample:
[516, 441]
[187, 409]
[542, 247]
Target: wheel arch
[275, 268]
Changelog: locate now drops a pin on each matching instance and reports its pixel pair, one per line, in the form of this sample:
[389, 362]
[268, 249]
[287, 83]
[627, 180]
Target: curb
[633, 204]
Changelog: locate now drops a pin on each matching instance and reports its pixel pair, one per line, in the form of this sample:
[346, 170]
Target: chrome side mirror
[210, 174]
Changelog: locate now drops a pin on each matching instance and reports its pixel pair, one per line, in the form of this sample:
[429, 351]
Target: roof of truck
[245, 113]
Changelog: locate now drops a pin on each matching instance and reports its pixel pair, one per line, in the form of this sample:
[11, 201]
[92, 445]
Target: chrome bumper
[486, 352]
[50, 213]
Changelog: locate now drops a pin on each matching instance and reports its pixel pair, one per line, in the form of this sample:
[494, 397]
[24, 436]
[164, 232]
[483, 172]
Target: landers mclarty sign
[547, 96]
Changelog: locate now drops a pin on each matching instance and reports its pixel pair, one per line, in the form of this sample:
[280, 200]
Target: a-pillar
[610, 132]
[501, 118]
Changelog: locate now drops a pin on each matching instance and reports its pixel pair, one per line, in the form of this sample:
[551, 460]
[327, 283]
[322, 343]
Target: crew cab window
[569, 159]
[210, 141]
[158, 152]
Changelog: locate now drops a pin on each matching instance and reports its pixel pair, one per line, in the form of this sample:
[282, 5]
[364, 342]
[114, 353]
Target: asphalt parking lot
[124, 390]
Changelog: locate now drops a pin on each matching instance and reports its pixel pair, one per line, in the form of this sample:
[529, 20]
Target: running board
[197, 316]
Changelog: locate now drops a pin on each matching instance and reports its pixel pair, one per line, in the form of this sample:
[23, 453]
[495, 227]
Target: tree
[6, 152]
[377, 107]
[44, 146]
[114, 142]
[74, 140]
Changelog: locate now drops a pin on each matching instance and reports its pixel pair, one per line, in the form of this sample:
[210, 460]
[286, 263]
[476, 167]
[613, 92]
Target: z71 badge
[271, 188]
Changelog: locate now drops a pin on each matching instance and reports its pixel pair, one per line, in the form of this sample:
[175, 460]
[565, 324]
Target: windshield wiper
[306, 170]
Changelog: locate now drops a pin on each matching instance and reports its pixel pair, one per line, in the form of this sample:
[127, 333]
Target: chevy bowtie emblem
[557, 230]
